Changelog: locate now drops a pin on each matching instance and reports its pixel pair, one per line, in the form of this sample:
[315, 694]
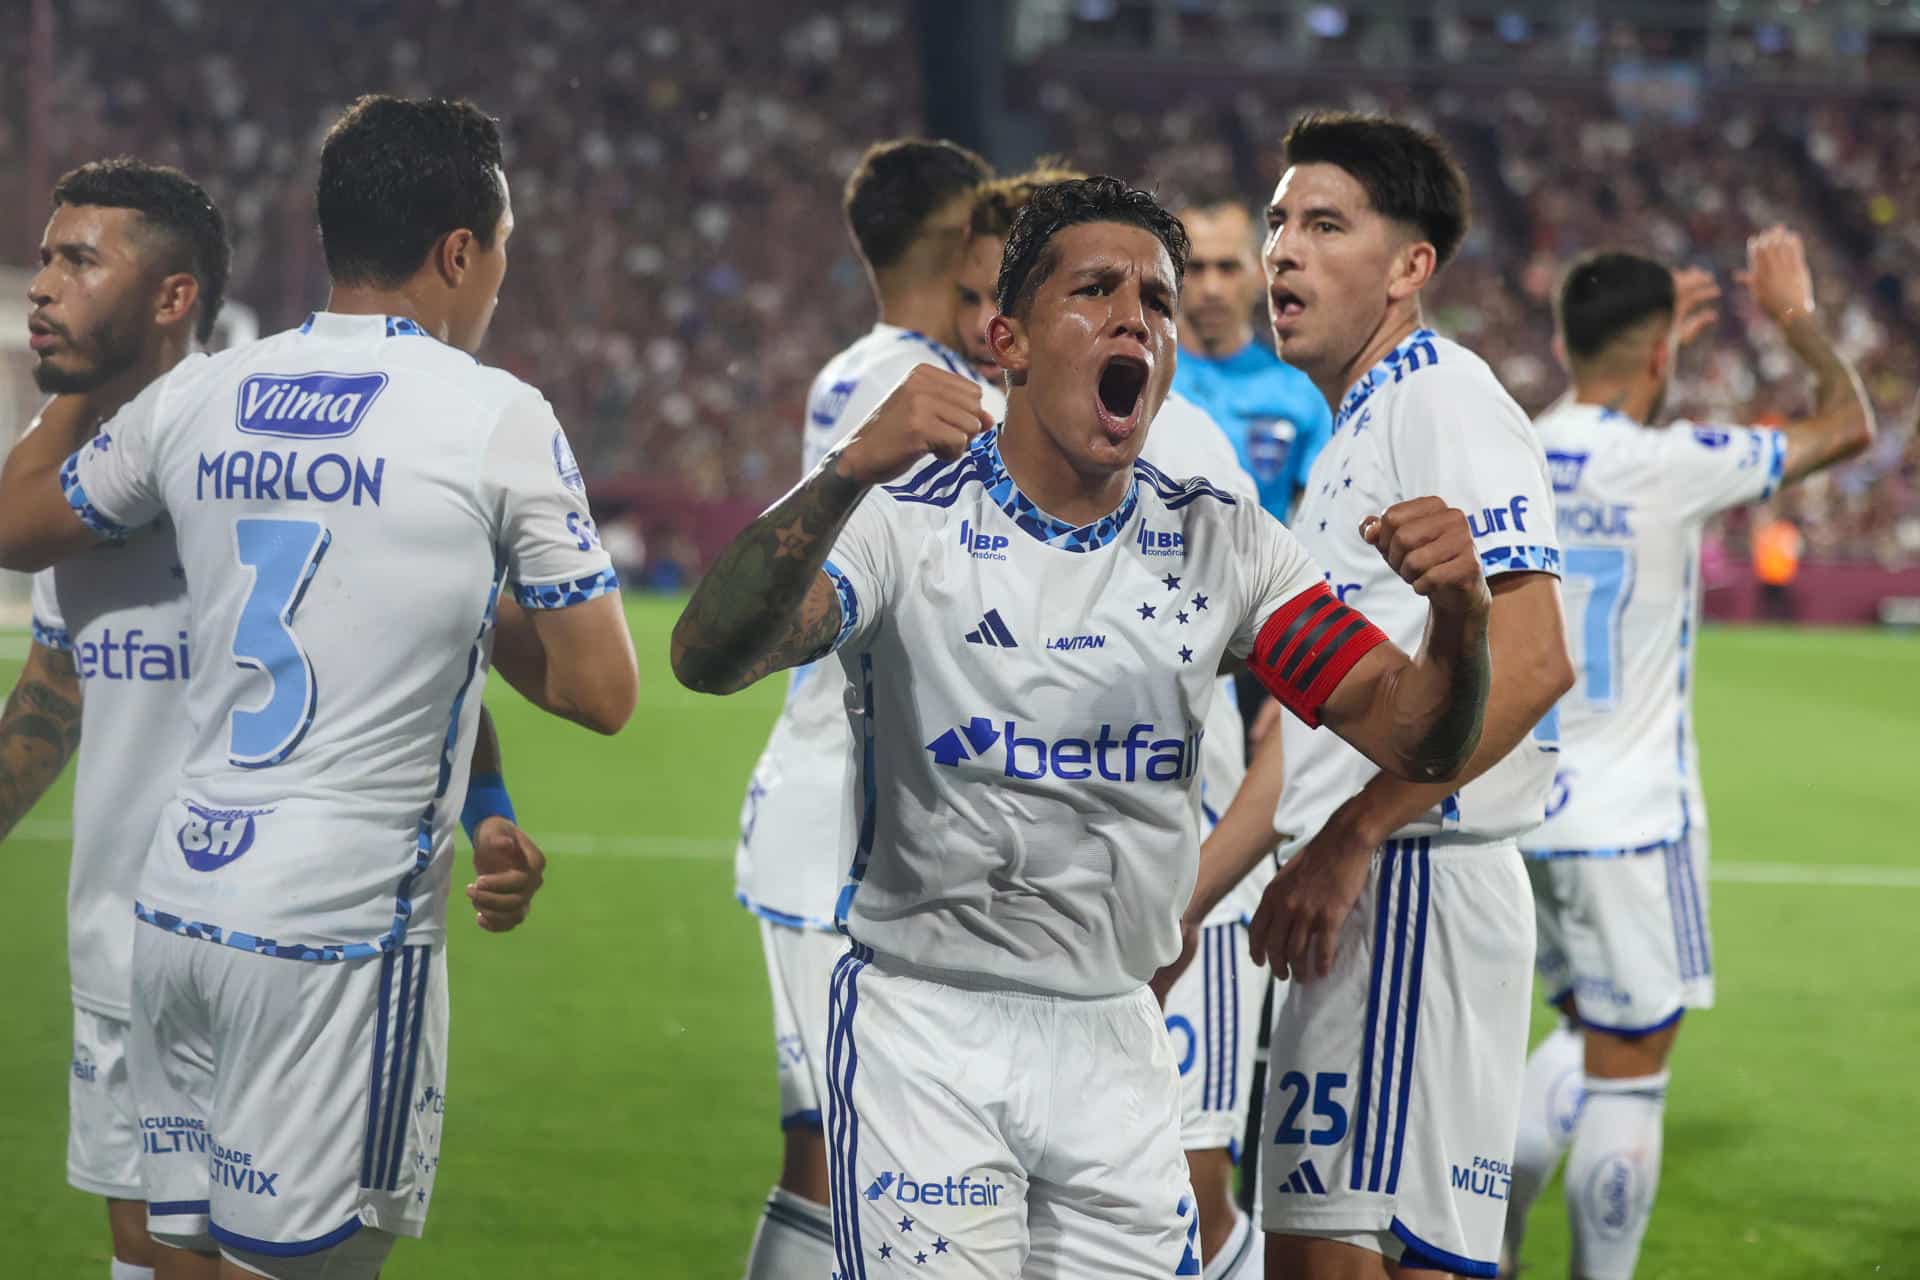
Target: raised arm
[39, 731]
[764, 605]
[38, 523]
[1842, 422]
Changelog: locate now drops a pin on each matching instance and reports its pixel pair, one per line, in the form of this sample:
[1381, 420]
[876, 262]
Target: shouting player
[347, 500]
[1002, 1086]
[1402, 912]
[907, 207]
[1620, 871]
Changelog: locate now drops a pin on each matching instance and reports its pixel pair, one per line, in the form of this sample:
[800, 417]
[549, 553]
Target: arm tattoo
[763, 606]
[39, 730]
[1455, 734]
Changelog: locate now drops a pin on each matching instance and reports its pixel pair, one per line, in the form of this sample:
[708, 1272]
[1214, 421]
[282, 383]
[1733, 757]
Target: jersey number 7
[283, 555]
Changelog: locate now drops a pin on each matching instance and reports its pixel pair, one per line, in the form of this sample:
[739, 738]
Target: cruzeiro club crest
[564, 463]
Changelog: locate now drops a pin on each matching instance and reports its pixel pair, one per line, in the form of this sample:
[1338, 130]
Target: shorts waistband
[989, 984]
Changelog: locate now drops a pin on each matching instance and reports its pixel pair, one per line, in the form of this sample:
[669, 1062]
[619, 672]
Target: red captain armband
[1306, 649]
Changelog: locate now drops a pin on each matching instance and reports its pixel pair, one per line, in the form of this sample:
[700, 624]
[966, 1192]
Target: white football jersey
[121, 612]
[1632, 503]
[347, 498]
[1028, 699]
[1428, 420]
[796, 827]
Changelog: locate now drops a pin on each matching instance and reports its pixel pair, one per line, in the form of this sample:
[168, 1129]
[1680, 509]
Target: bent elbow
[1558, 678]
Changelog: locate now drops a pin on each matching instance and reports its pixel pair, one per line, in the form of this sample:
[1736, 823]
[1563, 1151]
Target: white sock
[127, 1271]
[1243, 1256]
[794, 1239]
[1549, 1102]
[1613, 1169]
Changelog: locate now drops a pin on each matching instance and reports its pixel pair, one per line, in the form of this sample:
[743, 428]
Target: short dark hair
[1607, 294]
[396, 174]
[172, 204]
[1409, 174]
[895, 187]
[1029, 259]
[998, 201]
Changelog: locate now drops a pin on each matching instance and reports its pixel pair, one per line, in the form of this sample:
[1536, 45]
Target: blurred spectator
[1777, 547]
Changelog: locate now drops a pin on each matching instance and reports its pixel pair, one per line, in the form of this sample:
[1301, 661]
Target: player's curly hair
[1409, 174]
[1029, 258]
[1607, 294]
[997, 202]
[396, 174]
[897, 185]
[192, 234]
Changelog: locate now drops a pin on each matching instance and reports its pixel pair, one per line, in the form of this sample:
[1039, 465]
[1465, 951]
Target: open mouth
[1123, 382]
[1286, 305]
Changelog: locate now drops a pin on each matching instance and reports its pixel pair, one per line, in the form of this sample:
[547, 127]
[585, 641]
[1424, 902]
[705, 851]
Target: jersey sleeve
[112, 481]
[1708, 469]
[861, 567]
[1460, 437]
[543, 525]
[1299, 640]
[49, 625]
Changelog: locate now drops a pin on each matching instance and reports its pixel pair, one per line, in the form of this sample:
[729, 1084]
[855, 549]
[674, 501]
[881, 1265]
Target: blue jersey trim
[1776, 463]
[849, 601]
[1176, 494]
[1434, 1258]
[954, 361]
[1416, 353]
[55, 638]
[1498, 560]
[561, 595]
[1622, 851]
[276, 1249]
[869, 799]
[941, 484]
[785, 919]
[313, 952]
[809, 1119]
[76, 493]
[1632, 1033]
[177, 1208]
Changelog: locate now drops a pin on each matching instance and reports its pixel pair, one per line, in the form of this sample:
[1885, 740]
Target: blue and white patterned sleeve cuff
[52, 637]
[849, 601]
[561, 595]
[1776, 462]
[1521, 560]
[90, 515]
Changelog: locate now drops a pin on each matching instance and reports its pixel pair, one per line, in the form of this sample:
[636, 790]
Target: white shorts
[103, 1132]
[799, 969]
[1393, 1084]
[1213, 1019]
[1626, 937]
[286, 1104]
[996, 1135]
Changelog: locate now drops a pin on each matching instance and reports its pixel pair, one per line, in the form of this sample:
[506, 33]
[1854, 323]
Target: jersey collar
[328, 324]
[1032, 520]
[946, 355]
[1415, 351]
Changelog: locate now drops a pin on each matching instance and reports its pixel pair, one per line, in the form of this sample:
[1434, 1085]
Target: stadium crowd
[679, 346]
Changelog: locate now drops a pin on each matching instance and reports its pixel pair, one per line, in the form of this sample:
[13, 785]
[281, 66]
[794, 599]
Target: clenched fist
[1430, 546]
[932, 411]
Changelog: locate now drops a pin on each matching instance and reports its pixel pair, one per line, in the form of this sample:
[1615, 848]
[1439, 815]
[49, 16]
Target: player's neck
[1048, 477]
[924, 306]
[1397, 326]
[1621, 397]
[377, 300]
[109, 397]
[1218, 349]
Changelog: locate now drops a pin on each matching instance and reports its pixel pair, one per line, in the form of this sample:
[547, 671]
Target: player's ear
[1413, 266]
[1660, 358]
[1007, 339]
[453, 254]
[178, 294]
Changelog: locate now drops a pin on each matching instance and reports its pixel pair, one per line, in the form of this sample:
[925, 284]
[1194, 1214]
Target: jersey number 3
[283, 555]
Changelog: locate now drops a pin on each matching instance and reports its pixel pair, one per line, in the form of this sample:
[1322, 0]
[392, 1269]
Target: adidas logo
[993, 631]
[1304, 1181]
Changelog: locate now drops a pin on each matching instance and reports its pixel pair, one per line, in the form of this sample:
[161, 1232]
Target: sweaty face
[90, 297]
[1223, 279]
[1329, 262]
[1097, 346]
[478, 293]
[974, 287]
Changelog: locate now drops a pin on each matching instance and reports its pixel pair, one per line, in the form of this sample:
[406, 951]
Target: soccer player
[1402, 912]
[1277, 420]
[1620, 870]
[347, 500]
[1002, 1088]
[907, 206]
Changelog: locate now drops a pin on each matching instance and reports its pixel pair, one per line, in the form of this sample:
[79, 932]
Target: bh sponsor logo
[966, 1189]
[1593, 520]
[1160, 542]
[232, 1168]
[1511, 518]
[307, 406]
[982, 546]
[1484, 1177]
[212, 838]
[1141, 751]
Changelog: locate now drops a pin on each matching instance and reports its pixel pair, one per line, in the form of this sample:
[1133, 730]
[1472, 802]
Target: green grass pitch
[612, 1099]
